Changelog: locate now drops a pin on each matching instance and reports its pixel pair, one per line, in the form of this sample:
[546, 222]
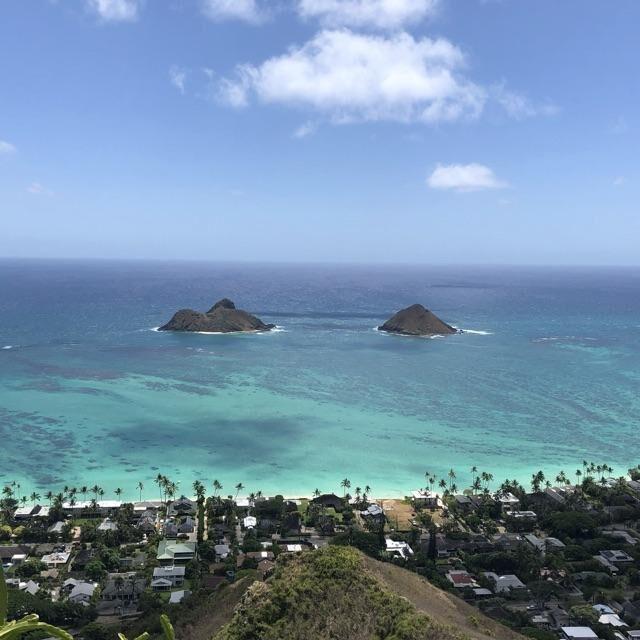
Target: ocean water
[548, 375]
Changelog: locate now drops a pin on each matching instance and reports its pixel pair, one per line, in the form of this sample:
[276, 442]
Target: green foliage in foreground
[16, 629]
[328, 593]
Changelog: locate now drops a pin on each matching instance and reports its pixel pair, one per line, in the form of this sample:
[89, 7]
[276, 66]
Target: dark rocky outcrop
[223, 317]
[417, 321]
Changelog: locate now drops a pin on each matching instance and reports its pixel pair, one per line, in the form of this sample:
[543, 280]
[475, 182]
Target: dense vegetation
[328, 593]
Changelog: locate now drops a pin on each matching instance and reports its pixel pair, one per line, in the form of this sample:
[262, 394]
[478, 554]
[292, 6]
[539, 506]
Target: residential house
[107, 525]
[222, 551]
[249, 522]
[187, 526]
[579, 633]
[373, 512]
[56, 560]
[505, 583]
[460, 579]
[171, 552]
[82, 593]
[329, 500]
[616, 556]
[508, 501]
[172, 574]
[182, 507]
[23, 513]
[424, 499]
[124, 587]
[398, 549]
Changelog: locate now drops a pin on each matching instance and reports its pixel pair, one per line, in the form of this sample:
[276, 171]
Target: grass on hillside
[328, 593]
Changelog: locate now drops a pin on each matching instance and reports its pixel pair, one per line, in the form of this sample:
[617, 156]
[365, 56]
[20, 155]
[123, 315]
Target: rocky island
[417, 321]
[223, 317]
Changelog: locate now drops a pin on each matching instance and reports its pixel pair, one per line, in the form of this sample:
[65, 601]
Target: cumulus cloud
[244, 10]
[377, 14]
[464, 177]
[353, 77]
[115, 10]
[6, 147]
[178, 77]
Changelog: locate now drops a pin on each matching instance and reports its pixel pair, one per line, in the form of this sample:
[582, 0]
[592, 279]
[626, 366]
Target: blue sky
[432, 131]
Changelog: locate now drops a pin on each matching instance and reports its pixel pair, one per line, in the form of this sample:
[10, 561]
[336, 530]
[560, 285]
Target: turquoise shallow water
[90, 394]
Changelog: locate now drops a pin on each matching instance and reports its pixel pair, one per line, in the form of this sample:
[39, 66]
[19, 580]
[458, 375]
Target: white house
[579, 633]
[424, 498]
[398, 549]
[55, 560]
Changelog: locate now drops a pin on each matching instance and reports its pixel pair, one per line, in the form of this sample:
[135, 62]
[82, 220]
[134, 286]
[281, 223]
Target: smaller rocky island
[417, 321]
[223, 317]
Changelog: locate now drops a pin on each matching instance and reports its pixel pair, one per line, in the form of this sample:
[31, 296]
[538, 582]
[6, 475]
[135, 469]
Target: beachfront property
[424, 499]
[153, 553]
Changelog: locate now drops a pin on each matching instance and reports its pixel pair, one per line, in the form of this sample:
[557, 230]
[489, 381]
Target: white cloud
[306, 129]
[519, 106]
[244, 10]
[355, 77]
[115, 10]
[6, 147]
[464, 177]
[378, 14]
[36, 189]
[178, 77]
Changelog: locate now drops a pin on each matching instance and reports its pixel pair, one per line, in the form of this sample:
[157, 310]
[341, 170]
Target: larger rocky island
[417, 321]
[223, 317]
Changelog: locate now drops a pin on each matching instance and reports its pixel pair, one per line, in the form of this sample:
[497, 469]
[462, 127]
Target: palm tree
[316, 493]
[140, 487]
[198, 489]
[49, 496]
[95, 490]
[442, 484]
[84, 490]
[452, 477]
[358, 491]
[217, 487]
[118, 492]
[159, 480]
[239, 487]
[345, 484]
[34, 498]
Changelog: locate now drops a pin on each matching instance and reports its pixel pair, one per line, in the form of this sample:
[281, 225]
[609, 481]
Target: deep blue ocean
[89, 393]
